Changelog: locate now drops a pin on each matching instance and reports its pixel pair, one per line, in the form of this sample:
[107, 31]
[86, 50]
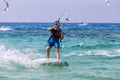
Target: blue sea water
[92, 50]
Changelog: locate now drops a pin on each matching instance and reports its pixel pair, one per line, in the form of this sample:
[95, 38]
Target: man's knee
[48, 48]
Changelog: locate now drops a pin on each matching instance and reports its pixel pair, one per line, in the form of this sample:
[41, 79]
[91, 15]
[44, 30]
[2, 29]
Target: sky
[50, 10]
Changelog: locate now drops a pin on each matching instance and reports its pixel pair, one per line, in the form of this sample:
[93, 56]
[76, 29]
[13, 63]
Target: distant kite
[7, 6]
[107, 2]
[67, 19]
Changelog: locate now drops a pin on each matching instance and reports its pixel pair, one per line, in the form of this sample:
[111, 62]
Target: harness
[56, 33]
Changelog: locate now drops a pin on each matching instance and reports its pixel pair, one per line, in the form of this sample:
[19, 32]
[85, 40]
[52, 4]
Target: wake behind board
[53, 62]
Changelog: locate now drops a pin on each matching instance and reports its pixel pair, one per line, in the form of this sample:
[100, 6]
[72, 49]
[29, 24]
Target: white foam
[13, 56]
[69, 54]
[44, 60]
[109, 53]
[9, 56]
[5, 28]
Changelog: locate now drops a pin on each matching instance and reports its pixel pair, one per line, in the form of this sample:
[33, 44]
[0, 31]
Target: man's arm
[62, 35]
[51, 28]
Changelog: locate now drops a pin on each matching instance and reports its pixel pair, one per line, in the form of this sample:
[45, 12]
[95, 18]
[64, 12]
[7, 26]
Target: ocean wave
[12, 55]
[96, 45]
[5, 28]
[108, 53]
[13, 58]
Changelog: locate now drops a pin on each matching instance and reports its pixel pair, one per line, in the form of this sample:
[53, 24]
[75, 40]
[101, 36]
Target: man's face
[57, 24]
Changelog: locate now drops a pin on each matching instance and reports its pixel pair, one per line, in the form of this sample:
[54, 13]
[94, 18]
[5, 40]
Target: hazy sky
[51, 10]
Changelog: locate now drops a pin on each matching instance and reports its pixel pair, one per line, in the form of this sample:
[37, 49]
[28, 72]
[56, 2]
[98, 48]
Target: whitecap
[14, 56]
[5, 28]
[108, 53]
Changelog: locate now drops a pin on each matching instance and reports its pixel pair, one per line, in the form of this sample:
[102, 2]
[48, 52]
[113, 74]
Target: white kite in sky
[107, 2]
[6, 6]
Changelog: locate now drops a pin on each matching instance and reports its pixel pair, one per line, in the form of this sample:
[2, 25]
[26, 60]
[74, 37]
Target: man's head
[57, 24]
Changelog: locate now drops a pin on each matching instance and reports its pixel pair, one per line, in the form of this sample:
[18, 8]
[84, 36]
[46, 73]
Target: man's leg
[48, 52]
[57, 53]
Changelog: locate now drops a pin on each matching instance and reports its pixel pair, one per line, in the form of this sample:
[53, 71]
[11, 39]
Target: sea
[92, 51]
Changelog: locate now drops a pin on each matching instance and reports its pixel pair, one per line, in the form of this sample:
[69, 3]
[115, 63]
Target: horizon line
[67, 22]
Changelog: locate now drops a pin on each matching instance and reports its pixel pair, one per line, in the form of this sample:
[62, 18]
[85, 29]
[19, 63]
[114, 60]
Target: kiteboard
[57, 63]
[53, 62]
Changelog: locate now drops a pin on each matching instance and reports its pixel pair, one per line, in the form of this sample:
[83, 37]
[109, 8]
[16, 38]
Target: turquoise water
[92, 50]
